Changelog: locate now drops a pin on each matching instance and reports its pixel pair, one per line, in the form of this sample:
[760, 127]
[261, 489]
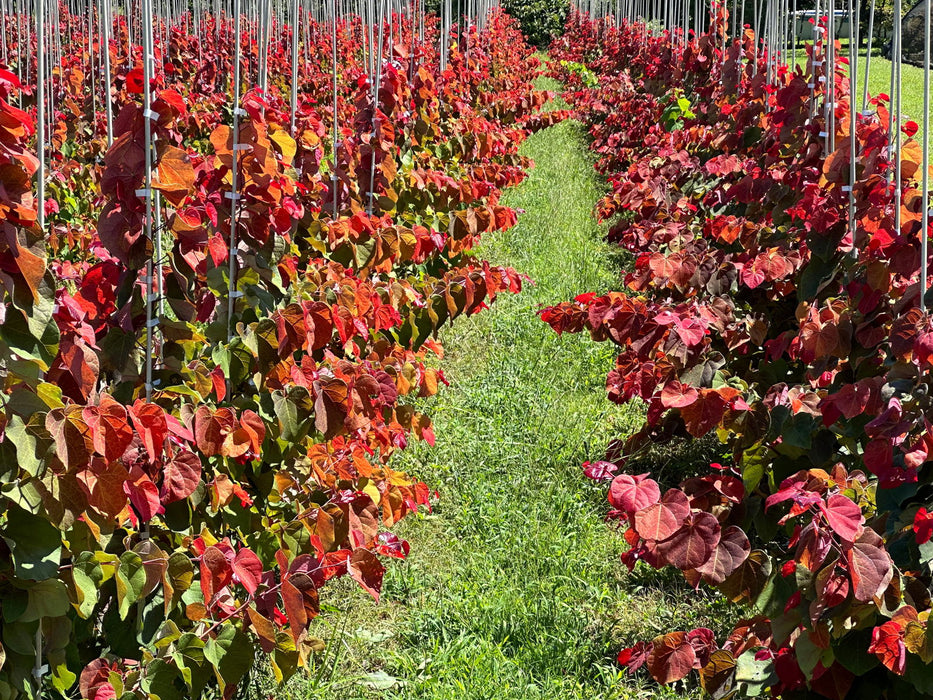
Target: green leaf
[815, 276]
[798, 431]
[20, 638]
[234, 359]
[285, 657]
[35, 544]
[23, 436]
[167, 634]
[159, 680]
[853, 655]
[131, 580]
[87, 574]
[292, 410]
[119, 351]
[230, 653]
[919, 675]
[50, 395]
[754, 462]
[31, 332]
[26, 402]
[808, 654]
[26, 493]
[180, 572]
[754, 675]
[262, 340]
[47, 598]
[189, 657]
[926, 553]
[14, 603]
[62, 677]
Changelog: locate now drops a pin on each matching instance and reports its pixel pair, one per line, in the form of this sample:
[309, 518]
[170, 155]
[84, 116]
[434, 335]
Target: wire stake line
[147, 131]
[235, 137]
[296, 15]
[853, 118]
[376, 124]
[925, 166]
[334, 182]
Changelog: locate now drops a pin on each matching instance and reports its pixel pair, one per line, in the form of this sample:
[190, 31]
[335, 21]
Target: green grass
[514, 589]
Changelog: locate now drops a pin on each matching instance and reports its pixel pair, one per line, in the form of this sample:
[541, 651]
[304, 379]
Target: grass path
[513, 589]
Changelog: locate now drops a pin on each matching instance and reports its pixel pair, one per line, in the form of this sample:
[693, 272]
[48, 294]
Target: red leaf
[143, 494]
[134, 81]
[108, 423]
[661, 520]
[869, 566]
[175, 100]
[704, 414]
[690, 330]
[843, 515]
[211, 430]
[389, 545]
[330, 409]
[149, 421]
[732, 550]
[704, 644]
[887, 643]
[671, 658]
[834, 590]
[255, 428]
[71, 434]
[599, 471]
[294, 610]
[120, 227]
[564, 317]
[635, 657]
[851, 399]
[94, 683]
[104, 483]
[662, 266]
[677, 395]
[181, 476]
[693, 542]
[367, 571]
[819, 340]
[247, 568]
[219, 382]
[833, 682]
[264, 629]
[216, 573]
[633, 493]
[753, 273]
[923, 526]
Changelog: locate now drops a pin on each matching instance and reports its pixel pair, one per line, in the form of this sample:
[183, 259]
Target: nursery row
[208, 332]
[774, 302]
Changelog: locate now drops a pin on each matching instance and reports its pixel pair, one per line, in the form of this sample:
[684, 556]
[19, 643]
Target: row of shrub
[156, 547]
[760, 309]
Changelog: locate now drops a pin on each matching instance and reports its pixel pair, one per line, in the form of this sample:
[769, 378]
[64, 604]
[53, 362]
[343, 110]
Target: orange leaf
[175, 175]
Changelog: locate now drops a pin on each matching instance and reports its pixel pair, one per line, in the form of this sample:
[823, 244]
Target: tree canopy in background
[540, 20]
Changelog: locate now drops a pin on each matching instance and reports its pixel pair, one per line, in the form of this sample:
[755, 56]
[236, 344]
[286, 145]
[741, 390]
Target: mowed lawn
[514, 589]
